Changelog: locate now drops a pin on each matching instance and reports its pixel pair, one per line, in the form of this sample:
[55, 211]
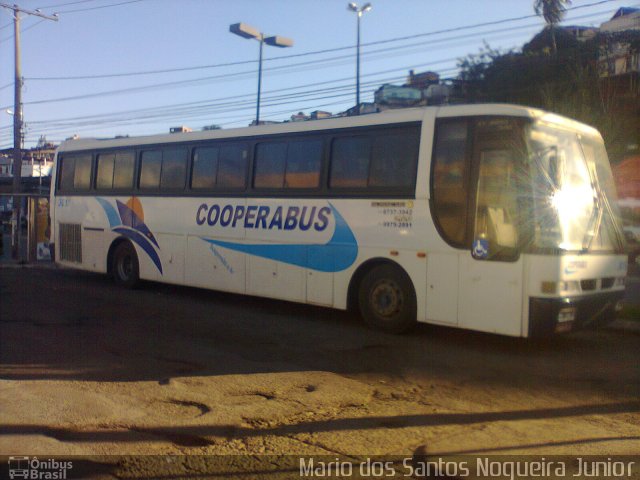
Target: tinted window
[303, 164]
[450, 180]
[75, 172]
[270, 164]
[115, 171]
[67, 169]
[150, 168]
[123, 170]
[82, 174]
[232, 168]
[394, 160]
[350, 162]
[205, 167]
[104, 175]
[174, 168]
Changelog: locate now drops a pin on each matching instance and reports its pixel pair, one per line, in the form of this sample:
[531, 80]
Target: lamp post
[247, 31]
[359, 11]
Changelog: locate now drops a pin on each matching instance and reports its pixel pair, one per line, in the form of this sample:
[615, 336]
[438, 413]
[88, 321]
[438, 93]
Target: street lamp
[359, 11]
[247, 31]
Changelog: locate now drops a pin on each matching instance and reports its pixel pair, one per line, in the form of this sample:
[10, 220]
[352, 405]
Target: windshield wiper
[600, 199]
[537, 158]
[591, 234]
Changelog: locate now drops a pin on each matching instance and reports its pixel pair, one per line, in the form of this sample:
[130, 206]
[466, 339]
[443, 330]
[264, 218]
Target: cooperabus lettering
[264, 217]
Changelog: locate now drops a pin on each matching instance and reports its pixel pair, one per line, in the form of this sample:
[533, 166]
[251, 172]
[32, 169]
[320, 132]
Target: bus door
[491, 273]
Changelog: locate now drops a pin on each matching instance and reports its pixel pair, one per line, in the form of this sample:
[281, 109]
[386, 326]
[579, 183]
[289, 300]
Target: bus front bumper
[548, 316]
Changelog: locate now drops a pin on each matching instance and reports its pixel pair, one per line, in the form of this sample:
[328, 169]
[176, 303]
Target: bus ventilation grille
[608, 282]
[588, 285]
[70, 243]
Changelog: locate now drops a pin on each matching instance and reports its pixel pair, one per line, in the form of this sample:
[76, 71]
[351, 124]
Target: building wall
[627, 177]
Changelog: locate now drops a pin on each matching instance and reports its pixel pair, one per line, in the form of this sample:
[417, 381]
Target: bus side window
[174, 168]
[150, 168]
[75, 173]
[67, 169]
[350, 162]
[269, 165]
[104, 172]
[115, 171]
[394, 160]
[205, 167]
[304, 159]
[450, 184]
[232, 167]
[123, 170]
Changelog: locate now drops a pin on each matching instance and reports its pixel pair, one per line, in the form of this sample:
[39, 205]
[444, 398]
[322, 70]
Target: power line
[69, 3]
[199, 110]
[101, 7]
[208, 79]
[297, 55]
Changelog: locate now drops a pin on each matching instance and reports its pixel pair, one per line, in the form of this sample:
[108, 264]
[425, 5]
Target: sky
[139, 67]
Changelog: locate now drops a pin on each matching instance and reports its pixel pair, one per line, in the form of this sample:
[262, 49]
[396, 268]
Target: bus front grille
[608, 282]
[70, 242]
[588, 285]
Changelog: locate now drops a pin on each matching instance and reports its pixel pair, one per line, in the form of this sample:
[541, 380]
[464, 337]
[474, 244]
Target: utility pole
[17, 124]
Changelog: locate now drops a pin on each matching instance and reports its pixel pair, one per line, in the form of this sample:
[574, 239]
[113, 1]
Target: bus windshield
[574, 201]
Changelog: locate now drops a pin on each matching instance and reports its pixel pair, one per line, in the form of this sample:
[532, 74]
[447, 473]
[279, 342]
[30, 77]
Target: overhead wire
[235, 75]
[315, 52]
[201, 109]
[100, 7]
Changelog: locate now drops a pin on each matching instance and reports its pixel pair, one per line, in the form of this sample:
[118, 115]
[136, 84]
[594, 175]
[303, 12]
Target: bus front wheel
[387, 299]
[125, 268]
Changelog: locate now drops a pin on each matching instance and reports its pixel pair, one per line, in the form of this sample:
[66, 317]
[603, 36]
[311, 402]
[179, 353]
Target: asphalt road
[88, 368]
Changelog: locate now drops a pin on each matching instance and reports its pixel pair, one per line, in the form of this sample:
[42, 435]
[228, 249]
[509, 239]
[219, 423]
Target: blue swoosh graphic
[134, 235]
[143, 242]
[336, 255]
[112, 214]
[130, 219]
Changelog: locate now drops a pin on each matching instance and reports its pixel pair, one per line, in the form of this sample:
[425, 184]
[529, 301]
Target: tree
[552, 11]
[567, 83]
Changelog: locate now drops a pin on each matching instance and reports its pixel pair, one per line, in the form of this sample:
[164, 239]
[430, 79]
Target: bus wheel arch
[383, 293]
[122, 263]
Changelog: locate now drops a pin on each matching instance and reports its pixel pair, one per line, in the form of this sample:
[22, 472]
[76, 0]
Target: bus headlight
[566, 315]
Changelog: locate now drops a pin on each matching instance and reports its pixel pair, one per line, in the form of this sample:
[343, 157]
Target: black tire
[388, 300]
[124, 267]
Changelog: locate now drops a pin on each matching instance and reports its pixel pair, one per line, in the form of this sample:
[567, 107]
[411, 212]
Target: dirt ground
[89, 369]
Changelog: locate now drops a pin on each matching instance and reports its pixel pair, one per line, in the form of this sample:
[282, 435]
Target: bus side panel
[209, 266]
[320, 288]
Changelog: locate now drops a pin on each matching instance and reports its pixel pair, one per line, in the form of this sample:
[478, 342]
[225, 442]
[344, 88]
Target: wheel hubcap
[386, 299]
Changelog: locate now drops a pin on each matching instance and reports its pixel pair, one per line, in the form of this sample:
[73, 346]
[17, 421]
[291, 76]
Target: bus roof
[387, 117]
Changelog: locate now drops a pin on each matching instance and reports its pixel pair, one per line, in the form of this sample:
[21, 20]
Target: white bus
[495, 218]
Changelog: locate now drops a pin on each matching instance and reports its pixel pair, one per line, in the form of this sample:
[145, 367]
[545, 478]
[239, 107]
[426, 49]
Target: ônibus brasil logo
[32, 468]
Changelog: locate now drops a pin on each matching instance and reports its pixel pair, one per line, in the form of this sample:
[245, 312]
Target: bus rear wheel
[387, 299]
[125, 268]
